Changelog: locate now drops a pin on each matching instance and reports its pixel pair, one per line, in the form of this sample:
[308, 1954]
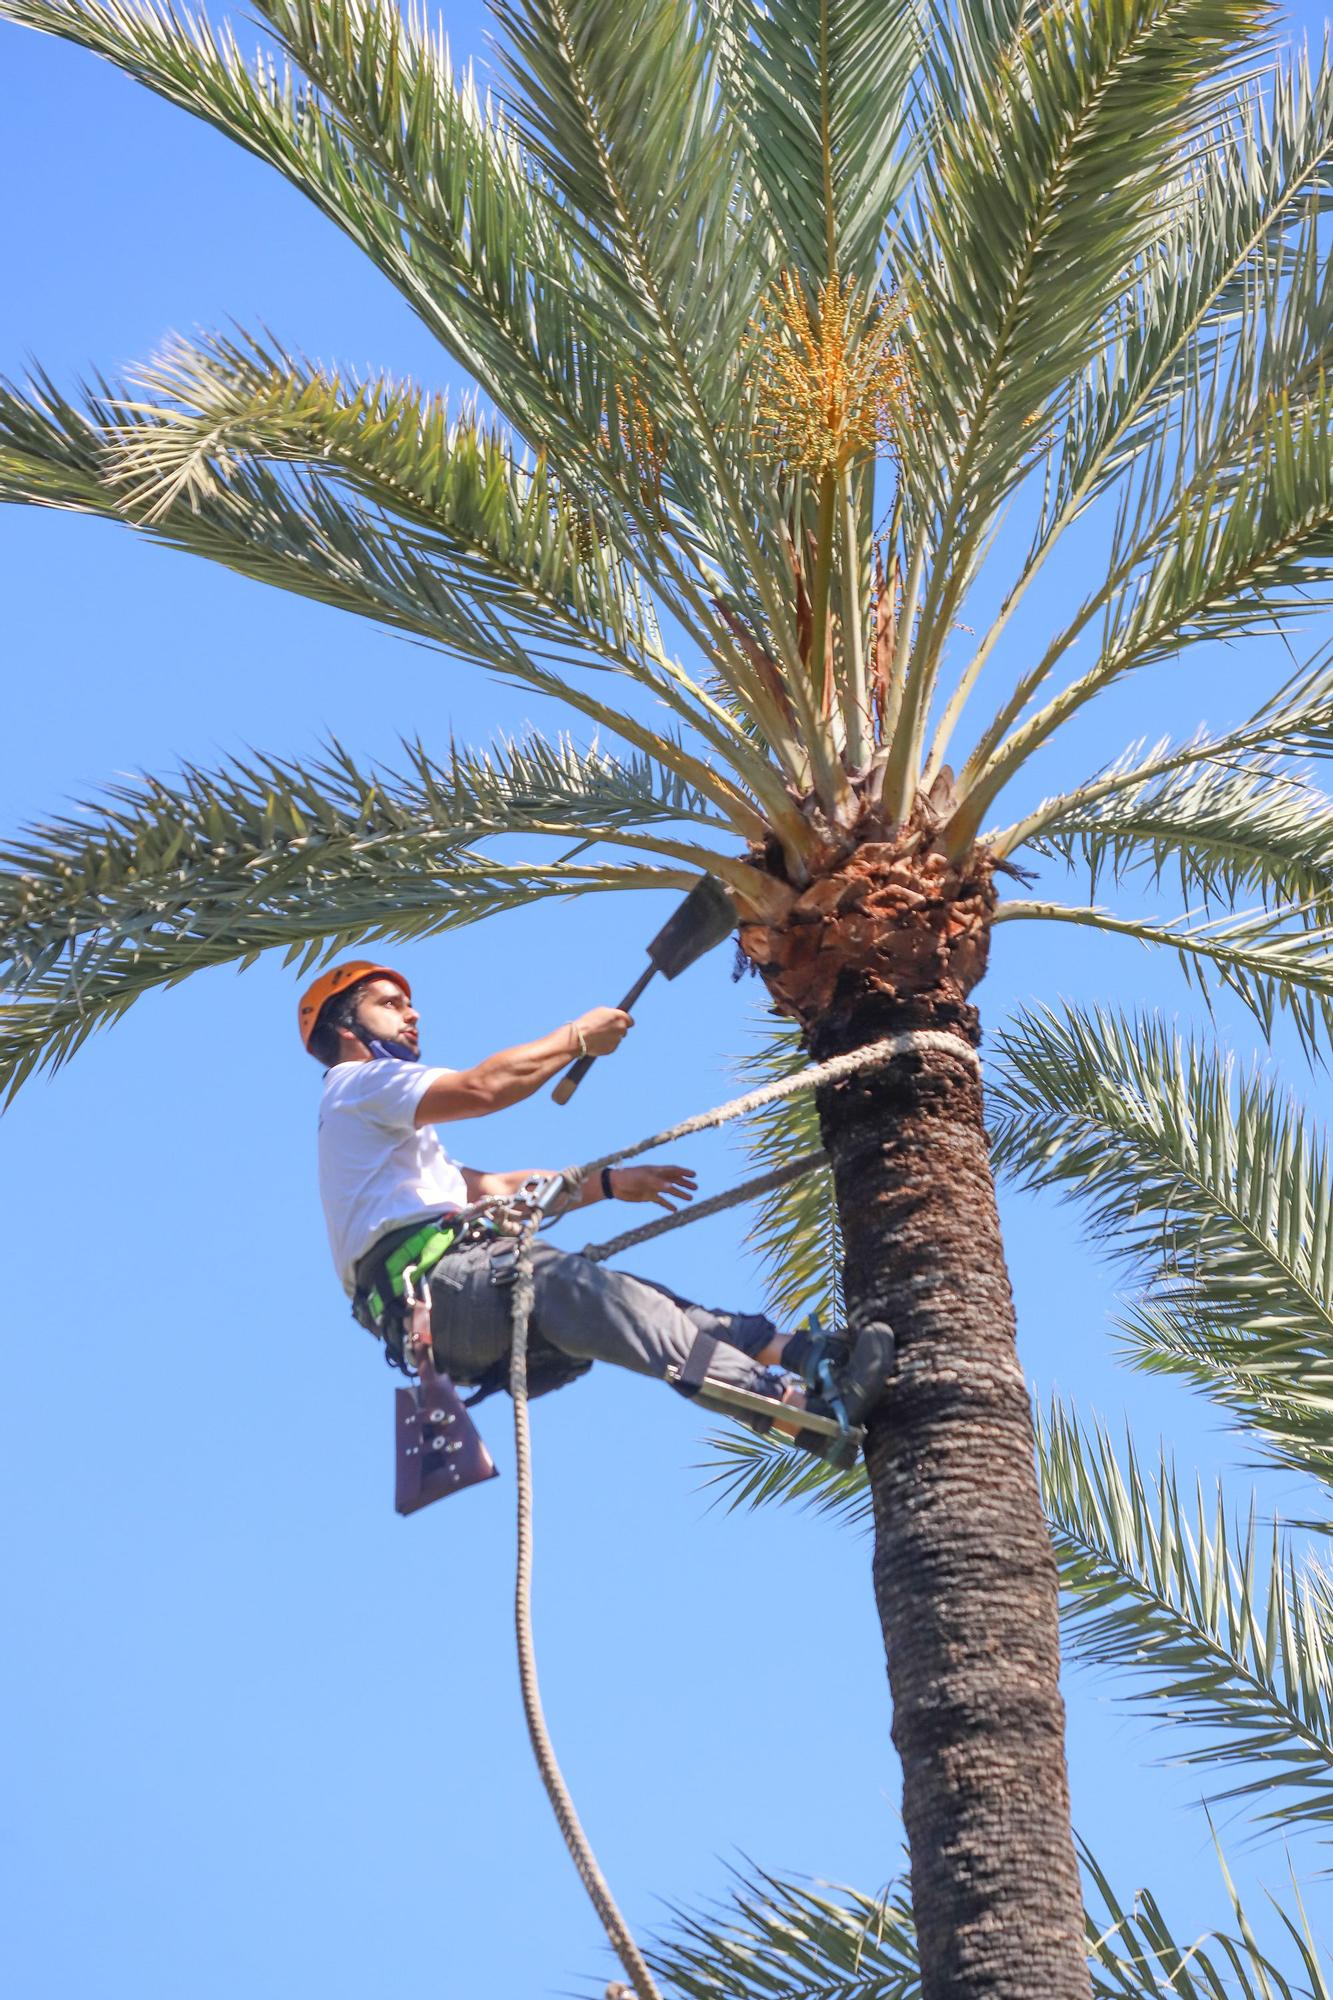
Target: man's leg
[588, 1312]
[591, 1313]
[844, 1372]
[469, 1314]
[597, 1314]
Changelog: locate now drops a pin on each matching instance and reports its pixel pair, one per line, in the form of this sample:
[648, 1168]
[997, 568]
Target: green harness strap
[422, 1251]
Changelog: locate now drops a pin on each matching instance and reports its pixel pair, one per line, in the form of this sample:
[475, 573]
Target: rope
[576, 1840]
[776, 1177]
[520, 1308]
[832, 1071]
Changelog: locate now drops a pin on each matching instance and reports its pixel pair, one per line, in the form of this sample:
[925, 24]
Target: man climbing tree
[389, 1191]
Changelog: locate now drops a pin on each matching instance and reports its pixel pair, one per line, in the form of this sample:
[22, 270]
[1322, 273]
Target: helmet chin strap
[391, 1051]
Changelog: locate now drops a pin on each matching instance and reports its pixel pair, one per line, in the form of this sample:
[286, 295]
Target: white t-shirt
[377, 1171]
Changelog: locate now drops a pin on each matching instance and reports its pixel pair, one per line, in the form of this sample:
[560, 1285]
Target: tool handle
[572, 1078]
[576, 1072]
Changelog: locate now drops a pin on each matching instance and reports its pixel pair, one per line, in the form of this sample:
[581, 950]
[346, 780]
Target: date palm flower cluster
[808, 338]
[834, 377]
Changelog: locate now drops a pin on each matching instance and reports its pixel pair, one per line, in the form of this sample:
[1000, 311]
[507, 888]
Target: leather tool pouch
[438, 1448]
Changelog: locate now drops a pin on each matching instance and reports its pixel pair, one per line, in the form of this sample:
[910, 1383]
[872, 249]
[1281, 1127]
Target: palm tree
[1213, 1186]
[773, 314]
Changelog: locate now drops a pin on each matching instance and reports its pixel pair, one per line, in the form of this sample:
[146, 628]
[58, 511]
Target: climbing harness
[437, 1447]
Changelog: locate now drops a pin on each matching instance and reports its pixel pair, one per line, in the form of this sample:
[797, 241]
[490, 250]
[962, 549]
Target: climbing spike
[730, 1398]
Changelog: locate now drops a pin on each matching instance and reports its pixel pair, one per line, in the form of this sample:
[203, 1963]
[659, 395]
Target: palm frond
[1283, 1410]
[527, 545]
[778, 1939]
[620, 108]
[1241, 538]
[434, 185]
[155, 880]
[795, 1232]
[1136, 1955]
[1272, 963]
[1297, 722]
[747, 1471]
[623, 112]
[654, 263]
[619, 105]
[218, 402]
[1216, 1625]
[1225, 309]
[438, 194]
[1229, 296]
[822, 92]
[1222, 830]
[1042, 188]
[799, 1941]
[524, 604]
[1214, 1185]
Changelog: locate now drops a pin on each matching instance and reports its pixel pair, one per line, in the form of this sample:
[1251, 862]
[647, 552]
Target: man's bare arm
[513, 1074]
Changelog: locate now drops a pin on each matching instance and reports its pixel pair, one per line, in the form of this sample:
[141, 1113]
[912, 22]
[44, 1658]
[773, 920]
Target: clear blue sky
[260, 1736]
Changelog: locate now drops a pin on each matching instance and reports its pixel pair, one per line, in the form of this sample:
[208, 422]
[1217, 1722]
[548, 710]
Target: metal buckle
[504, 1261]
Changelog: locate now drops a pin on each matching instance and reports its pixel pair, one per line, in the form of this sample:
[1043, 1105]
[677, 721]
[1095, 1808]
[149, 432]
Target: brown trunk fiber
[964, 1575]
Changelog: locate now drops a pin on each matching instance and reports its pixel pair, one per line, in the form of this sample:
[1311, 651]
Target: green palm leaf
[526, 542]
[783, 1940]
[1223, 831]
[795, 1233]
[822, 94]
[1277, 965]
[1136, 1955]
[1216, 1625]
[1215, 1186]
[1241, 537]
[621, 109]
[1226, 307]
[1229, 304]
[154, 881]
[499, 577]
[526, 545]
[439, 198]
[1042, 187]
[1296, 723]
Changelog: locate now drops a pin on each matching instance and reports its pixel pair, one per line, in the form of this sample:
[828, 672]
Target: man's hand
[603, 1029]
[669, 1187]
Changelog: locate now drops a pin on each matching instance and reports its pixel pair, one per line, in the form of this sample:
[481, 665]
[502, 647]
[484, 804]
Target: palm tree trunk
[964, 1574]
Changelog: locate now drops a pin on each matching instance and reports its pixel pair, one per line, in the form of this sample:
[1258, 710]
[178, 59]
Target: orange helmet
[333, 981]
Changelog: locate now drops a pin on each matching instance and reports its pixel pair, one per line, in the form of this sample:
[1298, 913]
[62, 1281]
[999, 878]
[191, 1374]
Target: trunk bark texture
[964, 1574]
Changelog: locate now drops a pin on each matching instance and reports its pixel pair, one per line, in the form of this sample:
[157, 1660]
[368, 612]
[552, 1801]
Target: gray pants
[586, 1311]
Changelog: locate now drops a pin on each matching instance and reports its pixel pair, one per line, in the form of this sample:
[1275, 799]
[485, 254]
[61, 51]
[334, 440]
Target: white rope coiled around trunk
[576, 1840]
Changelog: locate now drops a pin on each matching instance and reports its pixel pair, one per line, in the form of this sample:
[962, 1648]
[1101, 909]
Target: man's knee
[597, 1314]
